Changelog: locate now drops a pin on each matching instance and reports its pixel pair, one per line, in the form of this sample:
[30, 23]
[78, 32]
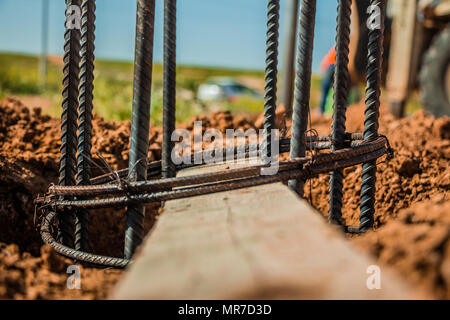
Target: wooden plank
[262, 242]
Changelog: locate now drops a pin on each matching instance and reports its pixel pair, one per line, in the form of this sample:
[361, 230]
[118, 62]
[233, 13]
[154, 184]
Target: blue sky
[227, 33]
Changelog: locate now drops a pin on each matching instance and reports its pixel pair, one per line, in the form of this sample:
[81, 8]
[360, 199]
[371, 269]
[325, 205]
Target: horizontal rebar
[334, 160]
[154, 168]
[126, 187]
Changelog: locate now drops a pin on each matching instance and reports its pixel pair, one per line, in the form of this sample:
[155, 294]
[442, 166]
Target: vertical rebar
[67, 165]
[289, 38]
[140, 118]
[270, 99]
[85, 116]
[374, 69]
[341, 87]
[169, 91]
[302, 85]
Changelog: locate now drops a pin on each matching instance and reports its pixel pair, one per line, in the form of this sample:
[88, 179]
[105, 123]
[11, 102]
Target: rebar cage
[77, 192]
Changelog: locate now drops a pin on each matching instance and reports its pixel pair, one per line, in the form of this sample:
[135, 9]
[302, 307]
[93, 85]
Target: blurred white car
[225, 89]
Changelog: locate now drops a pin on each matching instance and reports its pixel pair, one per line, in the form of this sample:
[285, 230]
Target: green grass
[113, 87]
[413, 103]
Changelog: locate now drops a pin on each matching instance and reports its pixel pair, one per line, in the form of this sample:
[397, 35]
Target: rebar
[169, 90]
[154, 168]
[162, 184]
[372, 113]
[140, 118]
[77, 254]
[290, 35]
[270, 99]
[67, 165]
[90, 197]
[152, 191]
[245, 182]
[85, 116]
[341, 88]
[130, 187]
[302, 85]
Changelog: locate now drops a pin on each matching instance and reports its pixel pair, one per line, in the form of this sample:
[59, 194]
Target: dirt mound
[28, 164]
[23, 276]
[414, 186]
[221, 120]
[29, 160]
[419, 170]
[416, 244]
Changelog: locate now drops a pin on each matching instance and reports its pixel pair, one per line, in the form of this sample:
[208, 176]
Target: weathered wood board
[261, 242]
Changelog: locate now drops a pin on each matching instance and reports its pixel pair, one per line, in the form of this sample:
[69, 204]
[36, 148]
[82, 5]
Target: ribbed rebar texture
[374, 68]
[270, 99]
[169, 91]
[154, 168]
[85, 116]
[302, 85]
[289, 39]
[341, 87]
[140, 118]
[161, 190]
[77, 254]
[67, 165]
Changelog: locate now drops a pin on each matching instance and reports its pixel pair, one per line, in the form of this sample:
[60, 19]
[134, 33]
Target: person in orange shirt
[327, 67]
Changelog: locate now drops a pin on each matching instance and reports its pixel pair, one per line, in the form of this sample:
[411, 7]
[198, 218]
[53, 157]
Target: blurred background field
[19, 77]
[204, 40]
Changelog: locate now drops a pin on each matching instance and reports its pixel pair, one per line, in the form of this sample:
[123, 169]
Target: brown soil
[419, 170]
[412, 218]
[413, 229]
[416, 244]
[23, 276]
[28, 164]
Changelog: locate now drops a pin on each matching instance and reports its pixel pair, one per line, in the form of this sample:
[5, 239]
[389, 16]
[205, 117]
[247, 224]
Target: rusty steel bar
[169, 90]
[85, 116]
[372, 112]
[341, 88]
[271, 73]
[289, 38]
[156, 185]
[238, 178]
[317, 143]
[140, 118]
[67, 164]
[77, 254]
[302, 85]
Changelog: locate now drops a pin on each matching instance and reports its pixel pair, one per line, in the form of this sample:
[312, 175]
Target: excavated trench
[412, 222]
